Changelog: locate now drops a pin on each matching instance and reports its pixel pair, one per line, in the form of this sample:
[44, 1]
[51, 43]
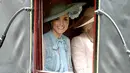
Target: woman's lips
[61, 27]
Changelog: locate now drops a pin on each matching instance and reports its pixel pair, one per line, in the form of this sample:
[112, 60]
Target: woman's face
[60, 25]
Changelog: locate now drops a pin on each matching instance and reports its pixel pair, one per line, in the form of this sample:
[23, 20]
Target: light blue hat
[58, 10]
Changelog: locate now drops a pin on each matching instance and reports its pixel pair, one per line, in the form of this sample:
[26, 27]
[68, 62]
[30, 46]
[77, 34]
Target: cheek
[66, 25]
[54, 24]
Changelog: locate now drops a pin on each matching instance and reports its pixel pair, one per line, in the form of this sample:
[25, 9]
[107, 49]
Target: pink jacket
[82, 54]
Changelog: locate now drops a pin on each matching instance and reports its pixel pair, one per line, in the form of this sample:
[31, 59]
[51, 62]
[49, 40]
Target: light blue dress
[57, 55]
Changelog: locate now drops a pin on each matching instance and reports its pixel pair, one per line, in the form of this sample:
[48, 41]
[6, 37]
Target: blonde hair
[87, 27]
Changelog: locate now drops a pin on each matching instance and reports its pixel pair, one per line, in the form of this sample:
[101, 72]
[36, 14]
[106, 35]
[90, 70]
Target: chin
[60, 32]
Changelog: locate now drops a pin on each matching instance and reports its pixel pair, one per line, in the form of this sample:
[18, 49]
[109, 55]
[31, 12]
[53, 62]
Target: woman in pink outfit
[82, 45]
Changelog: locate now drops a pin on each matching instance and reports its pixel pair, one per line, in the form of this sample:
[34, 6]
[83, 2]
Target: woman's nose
[61, 22]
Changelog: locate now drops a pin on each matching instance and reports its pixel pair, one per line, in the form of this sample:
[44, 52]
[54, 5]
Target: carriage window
[69, 43]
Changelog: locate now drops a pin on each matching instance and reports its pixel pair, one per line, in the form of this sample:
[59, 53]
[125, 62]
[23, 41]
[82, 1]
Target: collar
[56, 41]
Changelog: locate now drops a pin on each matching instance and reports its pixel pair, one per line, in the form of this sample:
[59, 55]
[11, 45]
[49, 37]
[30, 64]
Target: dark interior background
[49, 3]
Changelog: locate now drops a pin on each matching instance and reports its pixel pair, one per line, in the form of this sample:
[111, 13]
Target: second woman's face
[60, 25]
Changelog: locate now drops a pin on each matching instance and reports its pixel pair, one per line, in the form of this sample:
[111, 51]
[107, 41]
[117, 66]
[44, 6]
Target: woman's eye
[57, 19]
[66, 19]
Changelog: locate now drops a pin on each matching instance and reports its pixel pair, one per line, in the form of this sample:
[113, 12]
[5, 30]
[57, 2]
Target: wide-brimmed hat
[58, 10]
[87, 18]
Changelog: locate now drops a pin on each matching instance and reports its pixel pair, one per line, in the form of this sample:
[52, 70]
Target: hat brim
[72, 8]
[88, 22]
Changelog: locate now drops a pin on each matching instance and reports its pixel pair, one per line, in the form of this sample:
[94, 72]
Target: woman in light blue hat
[57, 45]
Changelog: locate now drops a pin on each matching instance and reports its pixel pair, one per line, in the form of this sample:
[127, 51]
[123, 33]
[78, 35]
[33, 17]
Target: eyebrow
[66, 17]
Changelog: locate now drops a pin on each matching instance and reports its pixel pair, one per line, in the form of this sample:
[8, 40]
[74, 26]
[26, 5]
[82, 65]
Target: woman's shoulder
[75, 39]
[46, 34]
[79, 38]
[47, 37]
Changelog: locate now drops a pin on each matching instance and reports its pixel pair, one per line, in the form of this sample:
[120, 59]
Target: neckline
[54, 38]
